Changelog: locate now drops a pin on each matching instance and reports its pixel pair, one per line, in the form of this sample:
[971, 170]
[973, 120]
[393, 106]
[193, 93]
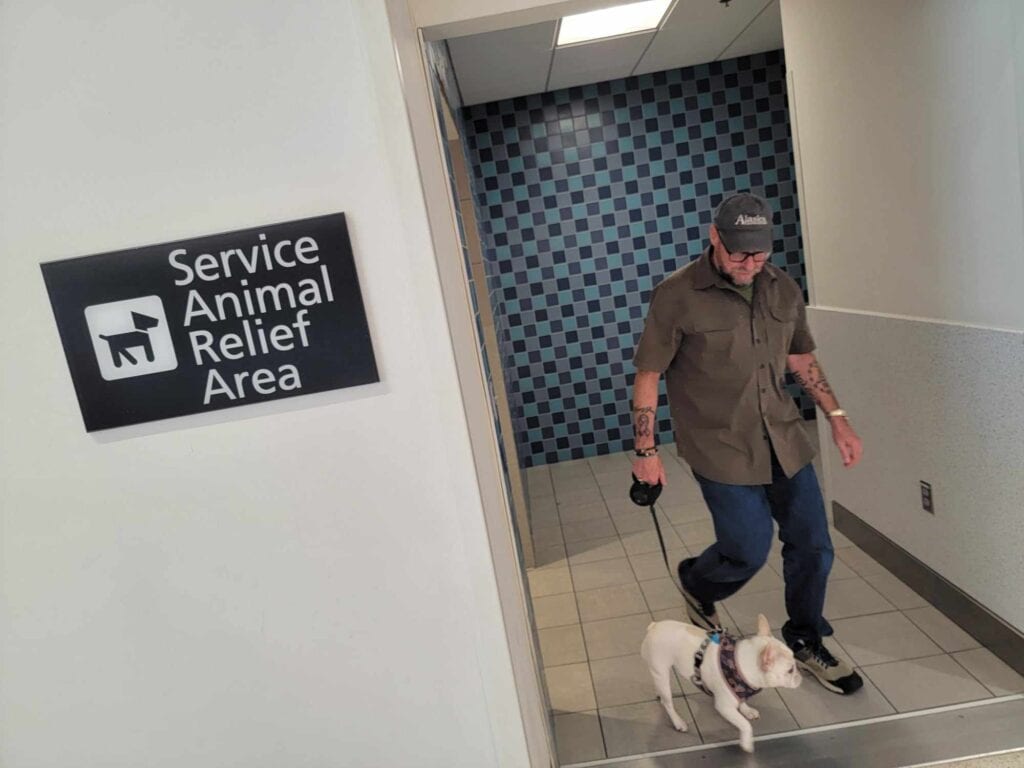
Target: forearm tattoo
[644, 421]
[814, 383]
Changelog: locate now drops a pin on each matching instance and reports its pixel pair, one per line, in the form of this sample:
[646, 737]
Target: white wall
[292, 586]
[909, 131]
[909, 136]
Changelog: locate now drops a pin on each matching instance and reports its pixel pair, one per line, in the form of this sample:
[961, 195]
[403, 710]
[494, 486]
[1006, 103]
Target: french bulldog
[762, 661]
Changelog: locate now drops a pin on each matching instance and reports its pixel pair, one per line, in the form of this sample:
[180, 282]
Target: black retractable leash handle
[644, 495]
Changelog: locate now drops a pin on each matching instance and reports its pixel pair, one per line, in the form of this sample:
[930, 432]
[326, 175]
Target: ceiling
[522, 60]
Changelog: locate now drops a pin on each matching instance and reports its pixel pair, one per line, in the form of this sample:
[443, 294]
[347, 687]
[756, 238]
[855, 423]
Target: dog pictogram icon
[131, 338]
[120, 343]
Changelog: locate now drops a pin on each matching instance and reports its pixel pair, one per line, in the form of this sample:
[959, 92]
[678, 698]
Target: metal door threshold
[895, 741]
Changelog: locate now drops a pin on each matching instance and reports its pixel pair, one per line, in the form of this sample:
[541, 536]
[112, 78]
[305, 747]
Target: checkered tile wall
[589, 196]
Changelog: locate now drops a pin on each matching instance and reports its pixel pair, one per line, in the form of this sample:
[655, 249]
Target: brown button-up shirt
[724, 362]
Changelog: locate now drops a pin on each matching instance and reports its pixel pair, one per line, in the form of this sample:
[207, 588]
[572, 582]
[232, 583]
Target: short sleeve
[661, 336]
[802, 342]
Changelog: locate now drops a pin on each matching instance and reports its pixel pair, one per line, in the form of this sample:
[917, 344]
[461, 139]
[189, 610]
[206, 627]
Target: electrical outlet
[927, 501]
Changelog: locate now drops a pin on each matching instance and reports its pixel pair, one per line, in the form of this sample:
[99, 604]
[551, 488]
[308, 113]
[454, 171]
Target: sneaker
[704, 615]
[837, 676]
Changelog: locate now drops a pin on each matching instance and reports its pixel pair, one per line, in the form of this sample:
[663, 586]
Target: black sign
[212, 322]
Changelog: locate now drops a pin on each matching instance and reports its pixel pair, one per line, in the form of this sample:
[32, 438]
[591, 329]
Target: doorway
[522, 171]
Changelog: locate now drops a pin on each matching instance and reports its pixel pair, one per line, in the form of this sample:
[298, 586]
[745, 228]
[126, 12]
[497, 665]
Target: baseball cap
[744, 222]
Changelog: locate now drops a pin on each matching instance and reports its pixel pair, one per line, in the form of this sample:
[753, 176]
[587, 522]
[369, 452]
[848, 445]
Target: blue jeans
[742, 516]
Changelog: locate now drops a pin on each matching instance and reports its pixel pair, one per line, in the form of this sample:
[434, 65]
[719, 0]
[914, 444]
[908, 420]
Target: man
[722, 330]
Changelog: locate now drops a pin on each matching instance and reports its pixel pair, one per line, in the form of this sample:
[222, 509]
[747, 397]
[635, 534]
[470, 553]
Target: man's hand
[850, 446]
[650, 470]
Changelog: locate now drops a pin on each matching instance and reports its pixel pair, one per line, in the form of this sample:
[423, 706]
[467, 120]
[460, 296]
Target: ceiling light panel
[612, 22]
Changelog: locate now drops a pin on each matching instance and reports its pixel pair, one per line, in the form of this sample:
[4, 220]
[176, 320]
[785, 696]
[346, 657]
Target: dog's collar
[726, 643]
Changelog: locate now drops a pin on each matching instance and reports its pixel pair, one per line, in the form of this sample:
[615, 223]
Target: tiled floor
[600, 580]
[1009, 760]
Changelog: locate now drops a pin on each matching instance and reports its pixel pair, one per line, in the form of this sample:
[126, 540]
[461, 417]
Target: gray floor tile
[744, 609]
[570, 688]
[992, 671]
[696, 536]
[565, 470]
[561, 645]
[637, 728]
[549, 581]
[620, 504]
[610, 462]
[883, 637]
[578, 513]
[555, 610]
[1008, 760]
[579, 495]
[812, 705]
[775, 717]
[895, 591]
[651, 565]
[598, 528]
[661, 593]
[612, 483]
[571, 471]
[615, 637]
[860, 561]
[579, 473]
[775, 562]
[942, 630]
[548, 536]
[538, 482]
[764, 580]
[624, 680]
[839, 540]
[633, 521]
[594, 550]
[923, 683]
[679, 614]
[641, 542]
[544, 513]
[853, 597]
[694, 512]
[682, 492]
[578, 738]
[611, 602]
[606, 573]
[550, 557]
[841, 570]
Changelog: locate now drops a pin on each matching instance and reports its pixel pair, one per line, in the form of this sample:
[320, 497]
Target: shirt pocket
[782, 326]
[714, 343]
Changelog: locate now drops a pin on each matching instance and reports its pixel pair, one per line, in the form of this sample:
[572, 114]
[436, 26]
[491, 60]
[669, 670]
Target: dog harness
[726, 643]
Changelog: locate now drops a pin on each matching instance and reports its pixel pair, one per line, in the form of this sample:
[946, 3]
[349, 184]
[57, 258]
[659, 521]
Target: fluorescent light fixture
[612, 22]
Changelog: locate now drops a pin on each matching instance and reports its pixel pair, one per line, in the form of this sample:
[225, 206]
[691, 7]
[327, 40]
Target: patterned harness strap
[740, 688]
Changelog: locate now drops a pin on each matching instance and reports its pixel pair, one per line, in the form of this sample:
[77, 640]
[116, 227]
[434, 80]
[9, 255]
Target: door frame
[424, 119]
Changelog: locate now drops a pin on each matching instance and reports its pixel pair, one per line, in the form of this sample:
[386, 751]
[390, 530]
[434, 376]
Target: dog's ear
[762, 626]
[768, 656]
[144, 322]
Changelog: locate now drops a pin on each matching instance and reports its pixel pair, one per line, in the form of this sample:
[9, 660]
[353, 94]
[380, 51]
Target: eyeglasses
[739, 257]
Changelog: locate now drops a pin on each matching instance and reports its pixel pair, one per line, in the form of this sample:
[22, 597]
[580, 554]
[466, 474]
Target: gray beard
[727, 277]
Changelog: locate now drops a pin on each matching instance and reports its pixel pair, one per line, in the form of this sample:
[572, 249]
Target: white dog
[729, 670]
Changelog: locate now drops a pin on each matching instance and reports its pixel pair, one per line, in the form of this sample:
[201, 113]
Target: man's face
[729, 264]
